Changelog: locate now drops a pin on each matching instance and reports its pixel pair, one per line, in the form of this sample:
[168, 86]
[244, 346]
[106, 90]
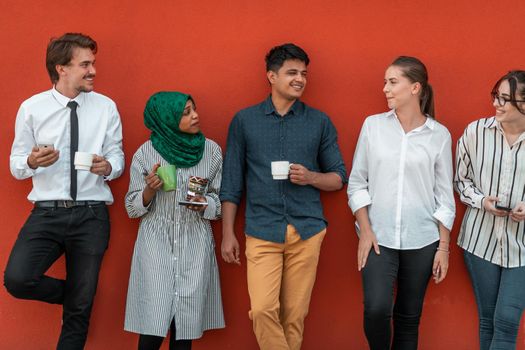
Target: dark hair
[60, 51]
[415, 71]
[516, 79]
[276, 56]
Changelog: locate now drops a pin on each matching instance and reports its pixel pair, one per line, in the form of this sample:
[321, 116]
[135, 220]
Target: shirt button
[175, 258]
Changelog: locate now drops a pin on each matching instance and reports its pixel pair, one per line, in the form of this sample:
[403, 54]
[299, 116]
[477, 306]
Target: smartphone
[46, 146]
[500, 207]
[192, 203]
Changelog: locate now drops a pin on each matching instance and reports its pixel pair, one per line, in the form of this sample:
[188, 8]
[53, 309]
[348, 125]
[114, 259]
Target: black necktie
[74, 147]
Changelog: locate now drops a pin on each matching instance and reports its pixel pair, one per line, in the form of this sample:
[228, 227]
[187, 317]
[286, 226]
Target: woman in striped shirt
[174, 281]
[490, 179]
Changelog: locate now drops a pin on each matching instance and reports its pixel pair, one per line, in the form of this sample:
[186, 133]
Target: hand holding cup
[100, 166]
[153, 184]
[153, 181]
[300, 175]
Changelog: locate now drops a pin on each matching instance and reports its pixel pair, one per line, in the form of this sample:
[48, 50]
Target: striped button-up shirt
[488, 166]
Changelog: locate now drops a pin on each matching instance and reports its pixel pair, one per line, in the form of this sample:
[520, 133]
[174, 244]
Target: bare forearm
[229, 211]
[444, 237]
[147, 196]
[361, 216]
[326, 181]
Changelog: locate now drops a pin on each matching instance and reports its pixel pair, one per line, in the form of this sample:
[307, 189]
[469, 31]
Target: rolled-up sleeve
[463, 180]
[133, 199]
[443, 191]
[330, 157]
[234, 163]
[358, 195]
[213, 210]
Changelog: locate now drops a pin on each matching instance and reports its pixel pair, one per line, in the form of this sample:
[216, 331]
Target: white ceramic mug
[281, 169]
[83, 160]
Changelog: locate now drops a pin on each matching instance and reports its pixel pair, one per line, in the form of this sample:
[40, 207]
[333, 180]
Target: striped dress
[174, 273]
[488, 166]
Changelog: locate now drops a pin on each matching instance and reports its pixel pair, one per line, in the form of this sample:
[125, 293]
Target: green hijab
[162, 116]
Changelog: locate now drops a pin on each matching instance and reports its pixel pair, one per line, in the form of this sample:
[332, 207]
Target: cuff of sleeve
[445, 216]
[229, 198]
[111, 175]
[477, 200]
[211, 209]
[139, 206]
[342, 175]
[25, 169]
[359, 199]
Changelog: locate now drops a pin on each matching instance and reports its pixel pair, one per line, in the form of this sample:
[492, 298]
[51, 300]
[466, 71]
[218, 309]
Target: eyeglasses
[502, 100]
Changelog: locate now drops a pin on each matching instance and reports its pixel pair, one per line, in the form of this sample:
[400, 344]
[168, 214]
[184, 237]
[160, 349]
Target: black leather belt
[66, 204]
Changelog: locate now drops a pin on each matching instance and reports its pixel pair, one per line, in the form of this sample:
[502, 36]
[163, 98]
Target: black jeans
[82, 233]
[411, 269]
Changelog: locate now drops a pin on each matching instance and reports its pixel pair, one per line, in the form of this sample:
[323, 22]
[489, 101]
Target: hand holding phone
[193, 203]
[500, 207]
[42, 156]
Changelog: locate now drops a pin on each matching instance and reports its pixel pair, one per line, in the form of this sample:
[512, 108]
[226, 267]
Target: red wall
[215, 51]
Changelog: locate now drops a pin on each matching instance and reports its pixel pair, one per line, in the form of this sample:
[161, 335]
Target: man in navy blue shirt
[284, 224]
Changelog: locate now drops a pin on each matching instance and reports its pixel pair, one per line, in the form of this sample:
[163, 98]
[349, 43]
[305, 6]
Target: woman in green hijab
[174, 280]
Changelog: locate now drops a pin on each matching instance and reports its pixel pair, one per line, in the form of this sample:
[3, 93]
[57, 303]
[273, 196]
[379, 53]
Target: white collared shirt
[405, 179]
[488, 166]
[45, 118]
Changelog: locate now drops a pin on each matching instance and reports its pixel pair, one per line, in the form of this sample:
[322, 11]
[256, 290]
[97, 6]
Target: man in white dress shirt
[70, 215]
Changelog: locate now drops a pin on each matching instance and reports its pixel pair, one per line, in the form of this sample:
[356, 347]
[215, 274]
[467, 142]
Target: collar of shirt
[491, 123]
[269, 109]
[429, 123]
[64, 100]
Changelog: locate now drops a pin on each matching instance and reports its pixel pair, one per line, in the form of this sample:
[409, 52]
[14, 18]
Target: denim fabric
[500, 296]
[411, 270]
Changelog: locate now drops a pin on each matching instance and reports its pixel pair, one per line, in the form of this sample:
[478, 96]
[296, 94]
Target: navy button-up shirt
[258, 136]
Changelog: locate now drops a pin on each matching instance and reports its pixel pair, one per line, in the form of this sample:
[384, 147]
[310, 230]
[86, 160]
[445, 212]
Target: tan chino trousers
[280, 281]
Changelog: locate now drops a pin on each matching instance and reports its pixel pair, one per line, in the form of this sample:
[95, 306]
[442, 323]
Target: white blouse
[405, 179]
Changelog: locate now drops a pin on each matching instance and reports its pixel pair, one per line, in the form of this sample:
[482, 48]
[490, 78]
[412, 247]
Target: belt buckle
[68, 203]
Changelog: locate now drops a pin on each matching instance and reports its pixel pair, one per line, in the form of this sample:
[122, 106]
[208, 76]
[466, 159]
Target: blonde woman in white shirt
[400, 191]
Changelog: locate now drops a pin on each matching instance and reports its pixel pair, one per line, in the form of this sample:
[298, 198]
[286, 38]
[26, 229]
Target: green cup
[168, 175]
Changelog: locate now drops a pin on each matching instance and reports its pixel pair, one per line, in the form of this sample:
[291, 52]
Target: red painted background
[215, 51]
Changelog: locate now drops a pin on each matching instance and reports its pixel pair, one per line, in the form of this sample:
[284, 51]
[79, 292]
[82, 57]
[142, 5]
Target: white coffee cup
[280, 169]
[83, 160]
